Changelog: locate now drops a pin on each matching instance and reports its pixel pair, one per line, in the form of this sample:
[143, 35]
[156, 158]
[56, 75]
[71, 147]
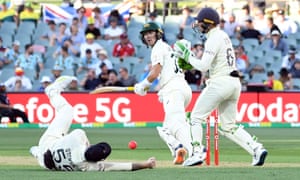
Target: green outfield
[283, 161]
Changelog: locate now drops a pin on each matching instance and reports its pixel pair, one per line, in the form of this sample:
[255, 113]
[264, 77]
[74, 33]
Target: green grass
[283, 161]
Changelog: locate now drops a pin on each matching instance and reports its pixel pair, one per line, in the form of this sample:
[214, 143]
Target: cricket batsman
[175, 93]
[60, 150]
[222, 91]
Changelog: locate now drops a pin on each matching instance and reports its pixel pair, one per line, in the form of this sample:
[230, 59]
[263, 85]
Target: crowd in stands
[107, 51]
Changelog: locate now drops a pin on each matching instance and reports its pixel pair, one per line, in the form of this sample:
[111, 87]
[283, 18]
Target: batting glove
[182, 49]
[142, 87]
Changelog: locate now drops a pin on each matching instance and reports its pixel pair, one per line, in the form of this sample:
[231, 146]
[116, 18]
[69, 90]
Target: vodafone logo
[273, 112]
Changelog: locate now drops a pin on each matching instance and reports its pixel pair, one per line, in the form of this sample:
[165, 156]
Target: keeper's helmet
[151, 26]
[208, 16]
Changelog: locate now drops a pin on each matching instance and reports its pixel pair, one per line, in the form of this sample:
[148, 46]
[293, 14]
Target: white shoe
[34, 151]
[59, 84]
[259, 156]
[180, 154]
[196, 159]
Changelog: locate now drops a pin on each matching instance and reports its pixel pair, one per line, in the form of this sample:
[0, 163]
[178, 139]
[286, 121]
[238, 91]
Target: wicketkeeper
[222, 91]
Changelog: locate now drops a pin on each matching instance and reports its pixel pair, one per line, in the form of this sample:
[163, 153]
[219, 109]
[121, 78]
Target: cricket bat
[112, 89]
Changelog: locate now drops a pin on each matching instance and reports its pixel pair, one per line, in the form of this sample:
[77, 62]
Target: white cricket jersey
[68, 152]
[218, 56]
[163, 54]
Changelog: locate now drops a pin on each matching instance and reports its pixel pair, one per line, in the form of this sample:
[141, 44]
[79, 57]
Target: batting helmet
[208, 16]
[151, 26]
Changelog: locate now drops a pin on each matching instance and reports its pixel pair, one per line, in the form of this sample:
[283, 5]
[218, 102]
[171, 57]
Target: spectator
[103, 76]
[90, 81]
[29, 60]
[7, 14]
[123, 48]
[153, 18]
[286, 79]
[73, 50]
[11, 54]
[250, 32]
[240, 63]
[286, 25]
[2, 48]
[113, 79]
[103, 58]
[272, 83]
[68, 6]
[125, 78]
[82, 19]
[113, 31]
[76, 36]
[295, 69]
[99, 18]
[45, 81]
[186, 20]
[193, 77]
[198, 49]
[245, 14]
[114, 14]
[260, 22]
[278, 43]
[289, 59]
[92, 29]
[8, 110]
[50, 32]
[74, 86]
[154, 86]
[28, 14]
[90, 44]
[231, 27]
[271, 27]
[18, 82]
[58, 38]
[56, 73]
[87, 62]
[65, 61]
[242, 55]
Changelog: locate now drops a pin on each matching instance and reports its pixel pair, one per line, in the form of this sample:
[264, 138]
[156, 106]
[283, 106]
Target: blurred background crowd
[105, 49]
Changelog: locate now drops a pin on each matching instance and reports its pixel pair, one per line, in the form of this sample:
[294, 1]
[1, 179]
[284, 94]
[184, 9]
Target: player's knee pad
[97, 152]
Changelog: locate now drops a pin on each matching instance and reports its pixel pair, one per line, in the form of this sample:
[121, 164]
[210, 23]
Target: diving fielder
[62, 151]
[174, 93]
[222, 91]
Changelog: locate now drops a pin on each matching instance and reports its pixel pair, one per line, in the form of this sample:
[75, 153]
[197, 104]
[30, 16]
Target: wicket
[216, 139]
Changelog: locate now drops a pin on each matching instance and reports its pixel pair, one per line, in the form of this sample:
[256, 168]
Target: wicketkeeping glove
[184, 65]
[182, 49]
[142, 87]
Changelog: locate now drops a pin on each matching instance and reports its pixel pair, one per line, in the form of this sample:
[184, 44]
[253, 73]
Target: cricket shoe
[180, 154]
[259, 156]
[196, 159]
[59, 85]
